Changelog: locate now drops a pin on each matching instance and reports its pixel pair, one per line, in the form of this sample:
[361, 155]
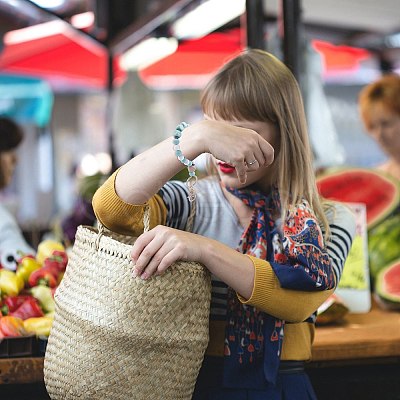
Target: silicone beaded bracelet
[192, 179]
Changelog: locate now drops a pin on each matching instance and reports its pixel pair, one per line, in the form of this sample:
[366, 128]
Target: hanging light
[148, 52]
[207, 17]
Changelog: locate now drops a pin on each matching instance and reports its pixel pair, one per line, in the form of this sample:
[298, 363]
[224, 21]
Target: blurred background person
[12, 241]
[379, 104]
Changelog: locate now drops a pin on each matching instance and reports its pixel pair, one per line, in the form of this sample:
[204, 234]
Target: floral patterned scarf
[253, 339]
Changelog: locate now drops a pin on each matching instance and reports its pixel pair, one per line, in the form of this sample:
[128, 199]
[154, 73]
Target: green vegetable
[384, 244]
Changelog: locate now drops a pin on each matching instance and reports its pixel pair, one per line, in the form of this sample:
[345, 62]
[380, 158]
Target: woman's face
[262, 177]
[8, 161]
[384, 128]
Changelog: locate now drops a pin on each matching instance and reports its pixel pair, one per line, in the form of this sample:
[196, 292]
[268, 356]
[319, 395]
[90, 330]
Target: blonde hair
[385, 90]
[256, 86]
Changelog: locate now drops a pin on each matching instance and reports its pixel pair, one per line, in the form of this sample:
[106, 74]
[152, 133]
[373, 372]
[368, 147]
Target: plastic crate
[42, 345]
[22, 346]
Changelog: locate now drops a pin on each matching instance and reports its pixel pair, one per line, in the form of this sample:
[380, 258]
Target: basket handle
[100, 231]
[101, 228]
[146, 219]
[146, 222]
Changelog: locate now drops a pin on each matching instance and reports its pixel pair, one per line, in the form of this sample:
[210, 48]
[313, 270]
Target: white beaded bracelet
[192, 179]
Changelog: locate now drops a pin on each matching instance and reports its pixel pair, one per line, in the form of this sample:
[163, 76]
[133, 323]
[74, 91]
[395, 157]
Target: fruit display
[47, 248]
[381, 195]
[388, 286]
[379, 192]
[27, 294]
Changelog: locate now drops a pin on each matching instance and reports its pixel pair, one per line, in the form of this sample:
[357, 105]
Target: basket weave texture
[122, 338]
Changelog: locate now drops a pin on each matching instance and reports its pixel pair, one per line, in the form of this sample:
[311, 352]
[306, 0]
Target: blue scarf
[253, 339]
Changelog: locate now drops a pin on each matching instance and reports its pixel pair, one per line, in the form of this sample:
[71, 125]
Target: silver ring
[251, 163]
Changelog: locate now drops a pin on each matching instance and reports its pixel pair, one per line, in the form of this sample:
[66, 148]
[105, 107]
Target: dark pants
[292, 384]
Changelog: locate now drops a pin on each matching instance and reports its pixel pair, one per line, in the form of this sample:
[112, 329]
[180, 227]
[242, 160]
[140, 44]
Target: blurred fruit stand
[27, 305]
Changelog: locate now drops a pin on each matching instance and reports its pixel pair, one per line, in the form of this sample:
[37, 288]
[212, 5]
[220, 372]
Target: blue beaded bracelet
[192, 180]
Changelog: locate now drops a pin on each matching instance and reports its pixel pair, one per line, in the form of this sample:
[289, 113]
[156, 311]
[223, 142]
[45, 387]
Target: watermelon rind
[390, 299]
[343, 174]
[383, 244]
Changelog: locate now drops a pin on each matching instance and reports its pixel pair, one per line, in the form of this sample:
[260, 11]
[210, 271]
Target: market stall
[364, 346]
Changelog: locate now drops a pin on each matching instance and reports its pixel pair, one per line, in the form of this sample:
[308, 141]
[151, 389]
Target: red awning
[194, 62]
[57, 53]
[340, 57]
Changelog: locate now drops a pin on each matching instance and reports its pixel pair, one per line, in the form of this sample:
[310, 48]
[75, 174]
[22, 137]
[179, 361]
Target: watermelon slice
[388, 286]
[380, 192]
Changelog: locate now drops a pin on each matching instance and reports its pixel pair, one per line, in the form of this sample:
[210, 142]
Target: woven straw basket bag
[122, 338]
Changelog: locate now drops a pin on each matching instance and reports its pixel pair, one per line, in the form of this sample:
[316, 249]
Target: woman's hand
[154, 251]
[241, 147]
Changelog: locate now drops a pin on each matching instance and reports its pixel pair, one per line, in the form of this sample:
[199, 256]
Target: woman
[260, 228]
[12, 242]
[379, 104]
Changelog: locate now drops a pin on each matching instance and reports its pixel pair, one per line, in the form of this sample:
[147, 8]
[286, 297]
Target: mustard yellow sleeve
[286, 304]
[121, 217]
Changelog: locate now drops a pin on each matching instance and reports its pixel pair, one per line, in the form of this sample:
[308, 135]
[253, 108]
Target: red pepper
[62, 257]
[11, 326]
[28, 309]
[44, 276]
[11, 303]
[54, 264]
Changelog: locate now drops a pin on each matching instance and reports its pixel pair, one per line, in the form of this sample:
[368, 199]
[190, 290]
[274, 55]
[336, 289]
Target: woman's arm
[122, 217]
[143, 176]
[154, 251]
[295, 305]
[269, 296]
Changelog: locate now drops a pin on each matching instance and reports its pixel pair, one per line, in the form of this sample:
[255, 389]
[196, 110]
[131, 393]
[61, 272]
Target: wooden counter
[21, 370]
[361, 338]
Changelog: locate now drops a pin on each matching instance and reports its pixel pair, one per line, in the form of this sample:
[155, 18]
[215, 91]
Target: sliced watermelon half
[377, 190]
[388, 284]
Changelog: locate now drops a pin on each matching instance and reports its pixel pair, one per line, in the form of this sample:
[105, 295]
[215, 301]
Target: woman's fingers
[160, 261]
[154, 251]
[252, 163]
[267, 151]
[143, 251]
[241, 171]
[262, 155]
